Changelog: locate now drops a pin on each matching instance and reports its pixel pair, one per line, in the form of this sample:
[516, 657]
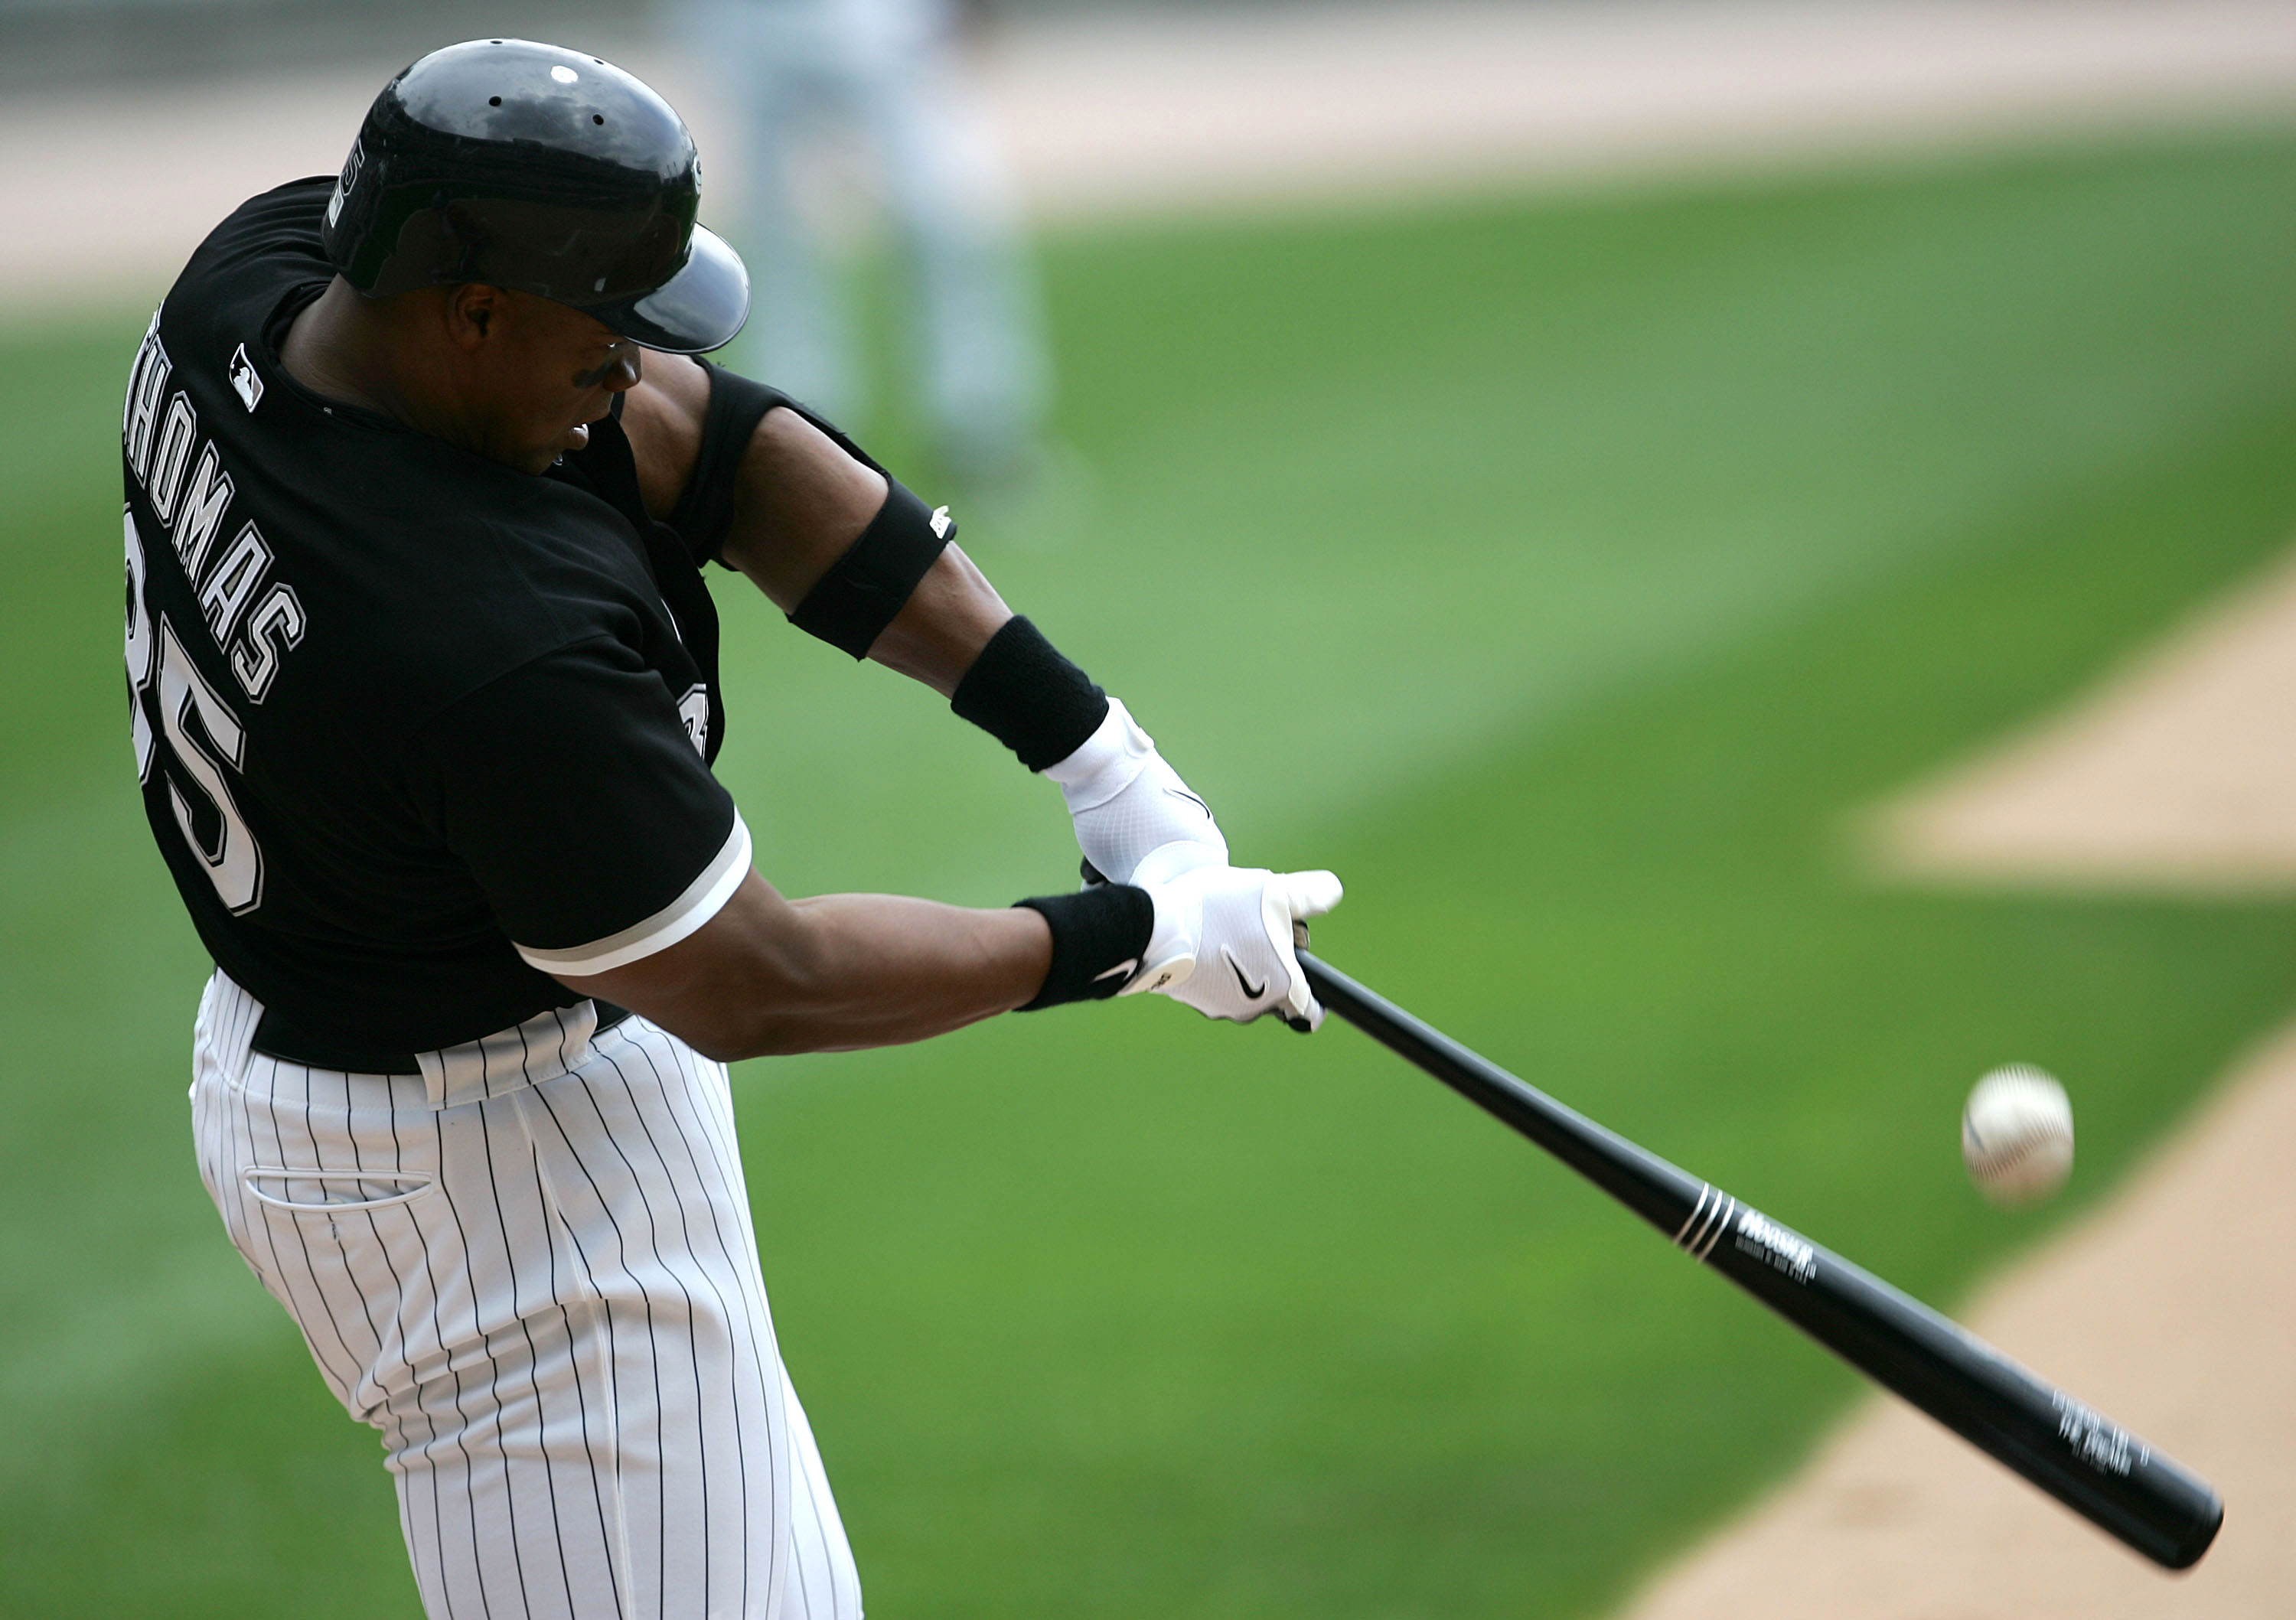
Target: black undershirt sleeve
[737, 404]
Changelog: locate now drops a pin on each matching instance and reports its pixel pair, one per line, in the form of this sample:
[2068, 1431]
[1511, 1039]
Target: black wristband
[1099, 935]
[1022, 692]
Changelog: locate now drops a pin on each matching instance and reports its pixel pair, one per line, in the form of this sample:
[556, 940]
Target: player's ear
[473, 310]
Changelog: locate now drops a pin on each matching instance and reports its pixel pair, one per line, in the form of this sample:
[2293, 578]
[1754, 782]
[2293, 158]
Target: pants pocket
[334, 1192]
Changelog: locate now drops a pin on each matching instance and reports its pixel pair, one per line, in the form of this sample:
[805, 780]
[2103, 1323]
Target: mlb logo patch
[245, 381]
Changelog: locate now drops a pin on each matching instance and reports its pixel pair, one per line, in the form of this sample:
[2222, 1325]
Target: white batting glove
[1223, 939]
[1127, 804]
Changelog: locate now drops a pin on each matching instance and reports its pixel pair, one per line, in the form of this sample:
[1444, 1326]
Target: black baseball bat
[2075, 1453]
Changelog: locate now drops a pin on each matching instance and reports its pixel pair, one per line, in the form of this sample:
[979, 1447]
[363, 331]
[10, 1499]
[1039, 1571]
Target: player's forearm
[769, 977]
[941, 629]
[882, 970]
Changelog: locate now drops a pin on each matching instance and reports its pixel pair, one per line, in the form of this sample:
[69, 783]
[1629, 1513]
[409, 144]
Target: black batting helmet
[543, 170]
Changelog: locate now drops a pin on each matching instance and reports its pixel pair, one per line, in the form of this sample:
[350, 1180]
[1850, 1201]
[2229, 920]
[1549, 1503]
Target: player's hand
[1223, 940]
[1127, 804]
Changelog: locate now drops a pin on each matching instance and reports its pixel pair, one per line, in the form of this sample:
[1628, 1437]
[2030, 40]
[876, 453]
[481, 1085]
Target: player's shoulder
[287, 215]
[264, 248]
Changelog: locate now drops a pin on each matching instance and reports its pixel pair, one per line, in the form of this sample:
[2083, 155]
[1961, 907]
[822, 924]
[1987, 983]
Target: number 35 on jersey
[180, 723]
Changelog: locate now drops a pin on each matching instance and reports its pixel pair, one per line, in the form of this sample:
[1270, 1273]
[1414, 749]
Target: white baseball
[2017, 1135]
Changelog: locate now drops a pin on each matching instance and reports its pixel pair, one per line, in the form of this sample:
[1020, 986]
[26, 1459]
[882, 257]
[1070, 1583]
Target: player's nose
[622, 369]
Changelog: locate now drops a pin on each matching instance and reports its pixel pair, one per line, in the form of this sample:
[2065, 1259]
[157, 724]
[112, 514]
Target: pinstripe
[639, 1183]
[686, 1296]
[610, 1348]
[732, 1316]
[551, 1227]
[462, 1424]
[653, 1237]
[713, 1115]
[422, 1406]
[724, 1156]
[726, 1167]
[615, 1541]
[657, 1227]
[573, 1362]
[427, 1454]
[843, 1597]
[748, 1318]
[821, 1535]
[654, 1241]
[397, 1429]
[717, 1129]
[654, 1364]
[725, 1160]
[516, 1301]
[284, 1287]
[517, 1311]
[533, 1358]
[366, 1296]
[336, 1373]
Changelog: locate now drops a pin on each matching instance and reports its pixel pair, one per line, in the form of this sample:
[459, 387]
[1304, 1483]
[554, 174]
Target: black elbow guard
[849, 606]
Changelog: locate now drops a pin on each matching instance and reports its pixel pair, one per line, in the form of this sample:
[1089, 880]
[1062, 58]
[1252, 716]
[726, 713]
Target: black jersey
[413, 727]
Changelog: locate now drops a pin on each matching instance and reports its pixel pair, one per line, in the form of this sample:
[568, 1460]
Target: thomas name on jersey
[190, 495]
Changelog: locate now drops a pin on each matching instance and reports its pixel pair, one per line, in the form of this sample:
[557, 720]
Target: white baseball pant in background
[531, 1266]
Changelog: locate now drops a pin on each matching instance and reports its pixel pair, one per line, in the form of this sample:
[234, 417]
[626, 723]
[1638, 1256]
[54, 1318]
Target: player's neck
[332, 349]
[366, 353]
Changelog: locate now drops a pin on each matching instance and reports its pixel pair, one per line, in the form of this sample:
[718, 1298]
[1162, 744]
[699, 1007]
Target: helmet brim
[698, 309]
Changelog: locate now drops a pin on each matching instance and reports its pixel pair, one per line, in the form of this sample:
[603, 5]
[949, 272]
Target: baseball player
[423, 670]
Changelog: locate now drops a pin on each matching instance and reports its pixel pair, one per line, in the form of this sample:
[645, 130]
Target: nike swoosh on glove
[1223, 939]
[1127, 804]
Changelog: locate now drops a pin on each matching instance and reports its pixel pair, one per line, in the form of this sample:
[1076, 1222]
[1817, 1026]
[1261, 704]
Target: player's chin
[541, 455]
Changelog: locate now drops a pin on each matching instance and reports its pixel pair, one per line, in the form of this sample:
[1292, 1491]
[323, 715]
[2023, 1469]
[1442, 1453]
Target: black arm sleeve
[737, 404]
[572, 790]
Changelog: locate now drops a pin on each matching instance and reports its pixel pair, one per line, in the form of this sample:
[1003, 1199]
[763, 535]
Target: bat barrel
[2067, 1448]
[2075, 1453]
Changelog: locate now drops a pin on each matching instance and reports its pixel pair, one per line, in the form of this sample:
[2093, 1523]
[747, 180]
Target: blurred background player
[816, 83]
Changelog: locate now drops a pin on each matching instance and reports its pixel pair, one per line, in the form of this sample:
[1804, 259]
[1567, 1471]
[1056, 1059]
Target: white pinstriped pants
[532, 1268]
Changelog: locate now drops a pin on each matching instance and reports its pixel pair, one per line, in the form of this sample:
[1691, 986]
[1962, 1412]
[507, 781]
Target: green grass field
[1564, 574]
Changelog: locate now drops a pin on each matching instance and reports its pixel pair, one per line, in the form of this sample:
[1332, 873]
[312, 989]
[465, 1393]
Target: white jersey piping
[703, 899]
